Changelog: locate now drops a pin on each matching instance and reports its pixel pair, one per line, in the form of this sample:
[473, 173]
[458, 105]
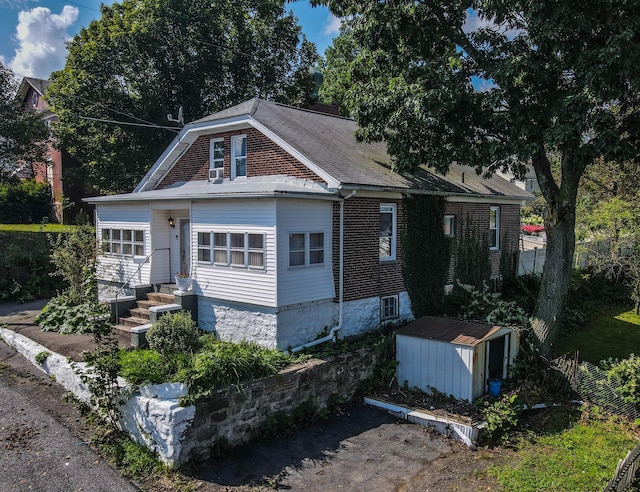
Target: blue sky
[33, 33]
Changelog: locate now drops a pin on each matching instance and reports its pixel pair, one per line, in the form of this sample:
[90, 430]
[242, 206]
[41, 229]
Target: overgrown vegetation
[134, 461]
[25, 266]
[77, 309]
[472, 258]
[24, 202]
[427, 253]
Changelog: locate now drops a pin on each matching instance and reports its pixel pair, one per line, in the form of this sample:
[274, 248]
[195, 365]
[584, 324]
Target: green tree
[536, 81]
[23, 134]
[147, 58]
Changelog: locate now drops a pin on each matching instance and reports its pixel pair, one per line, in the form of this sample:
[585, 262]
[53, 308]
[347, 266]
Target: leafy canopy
[22, 133]
[497, 84]
[147, 58]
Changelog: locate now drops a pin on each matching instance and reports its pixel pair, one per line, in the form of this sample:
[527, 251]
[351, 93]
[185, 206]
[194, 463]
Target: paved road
[37, 452]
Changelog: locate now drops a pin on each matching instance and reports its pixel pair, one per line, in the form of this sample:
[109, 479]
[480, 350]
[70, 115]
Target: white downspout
[334, 331]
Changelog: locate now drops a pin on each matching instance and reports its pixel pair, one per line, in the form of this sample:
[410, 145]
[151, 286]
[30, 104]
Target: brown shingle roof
[449, 330]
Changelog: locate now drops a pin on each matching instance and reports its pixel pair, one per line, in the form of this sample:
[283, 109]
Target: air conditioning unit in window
[216, 174]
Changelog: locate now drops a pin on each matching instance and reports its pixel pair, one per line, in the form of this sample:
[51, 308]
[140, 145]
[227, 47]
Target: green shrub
[144, 366]
[134, 461]
[501, 416]
[486, 306]
[221, 364]
[174, 333]
[25, 202]
[628, 372]
[61, 315]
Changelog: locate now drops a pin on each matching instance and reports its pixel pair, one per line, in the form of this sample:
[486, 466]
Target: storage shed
[455, 357]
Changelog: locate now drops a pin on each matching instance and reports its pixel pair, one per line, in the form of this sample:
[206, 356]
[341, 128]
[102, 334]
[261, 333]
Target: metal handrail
[126, 282]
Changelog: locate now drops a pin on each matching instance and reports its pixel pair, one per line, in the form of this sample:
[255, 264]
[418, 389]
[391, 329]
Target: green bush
[628, 372]
[221, 364]
[25, 202]
[61, 315]
[174, 333]
[144, 366]
[489, 307]
[501, 416]
[25, 267]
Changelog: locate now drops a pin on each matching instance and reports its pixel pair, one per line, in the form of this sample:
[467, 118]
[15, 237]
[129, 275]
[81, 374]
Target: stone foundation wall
[232, 416]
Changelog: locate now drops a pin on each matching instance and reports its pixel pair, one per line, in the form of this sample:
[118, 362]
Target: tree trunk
[556, 279]
[560, 221]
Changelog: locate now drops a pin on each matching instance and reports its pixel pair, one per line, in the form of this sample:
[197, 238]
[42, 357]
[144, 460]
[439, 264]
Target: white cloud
[474, 22]
[41, 36]
[331, 25]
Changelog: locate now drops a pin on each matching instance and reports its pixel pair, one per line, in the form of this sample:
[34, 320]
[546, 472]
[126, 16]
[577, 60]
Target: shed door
[496, 358]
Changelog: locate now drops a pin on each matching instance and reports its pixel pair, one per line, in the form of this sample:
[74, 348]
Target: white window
[449, 225]
[238, 156]
[216, 153]
[494, 227]
[389, 308]
[306, 249]
[125, 242]
[204, 247]
[387, 244]
[236, 249]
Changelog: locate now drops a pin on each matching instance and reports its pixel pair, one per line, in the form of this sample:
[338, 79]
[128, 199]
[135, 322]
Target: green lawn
[614, 331]
[37, 227]
[582, 457]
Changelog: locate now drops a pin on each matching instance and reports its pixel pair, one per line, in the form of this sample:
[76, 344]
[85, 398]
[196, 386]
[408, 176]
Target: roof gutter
[333, 333]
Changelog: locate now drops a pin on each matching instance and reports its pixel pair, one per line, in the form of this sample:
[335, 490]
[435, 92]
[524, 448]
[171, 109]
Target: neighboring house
[67, 193]
[287, 225]
[529, 183]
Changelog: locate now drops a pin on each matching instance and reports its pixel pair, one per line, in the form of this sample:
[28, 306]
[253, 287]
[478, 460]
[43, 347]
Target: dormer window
[216, 153]
[238, 156]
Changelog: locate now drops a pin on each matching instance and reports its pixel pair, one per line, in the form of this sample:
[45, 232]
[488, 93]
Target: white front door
[185, 246]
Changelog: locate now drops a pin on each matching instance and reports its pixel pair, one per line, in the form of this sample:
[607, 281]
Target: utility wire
[152, 125]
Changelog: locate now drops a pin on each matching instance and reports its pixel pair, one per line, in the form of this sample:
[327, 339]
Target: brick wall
[264, 158]
[477, 214]
[364, 274]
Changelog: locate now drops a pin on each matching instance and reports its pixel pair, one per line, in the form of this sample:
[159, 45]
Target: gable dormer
[239, 154]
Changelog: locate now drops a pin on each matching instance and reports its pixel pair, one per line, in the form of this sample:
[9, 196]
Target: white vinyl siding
[236, 228]
[129, 242]
[311, 220]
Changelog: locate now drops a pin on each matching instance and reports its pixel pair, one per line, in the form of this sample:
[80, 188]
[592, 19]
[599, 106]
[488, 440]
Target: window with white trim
[494, 227]
[306, 249]
[449, 225]
[216, 153]
[389, 307]
[235, 249]
[124, 242]
[238, 156]
[387, 243]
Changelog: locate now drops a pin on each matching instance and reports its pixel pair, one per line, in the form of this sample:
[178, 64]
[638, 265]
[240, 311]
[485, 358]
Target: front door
[185, 246]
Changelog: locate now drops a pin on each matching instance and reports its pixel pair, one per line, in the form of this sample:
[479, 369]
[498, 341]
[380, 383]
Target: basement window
[389, 307]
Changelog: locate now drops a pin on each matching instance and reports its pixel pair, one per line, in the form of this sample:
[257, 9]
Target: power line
[152, 125]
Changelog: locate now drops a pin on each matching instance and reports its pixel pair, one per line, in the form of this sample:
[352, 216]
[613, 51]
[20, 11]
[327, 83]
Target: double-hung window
[387, 242]
[238, 156]
[306, 249]
[235, 249]
[449, 225]
[125, 242]
[494, 227]
[216, 153]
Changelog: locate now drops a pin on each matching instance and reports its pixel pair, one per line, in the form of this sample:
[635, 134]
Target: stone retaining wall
[154, 417]
[232, 416]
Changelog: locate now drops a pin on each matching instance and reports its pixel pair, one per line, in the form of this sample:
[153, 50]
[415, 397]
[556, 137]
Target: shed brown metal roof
[449, 330]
